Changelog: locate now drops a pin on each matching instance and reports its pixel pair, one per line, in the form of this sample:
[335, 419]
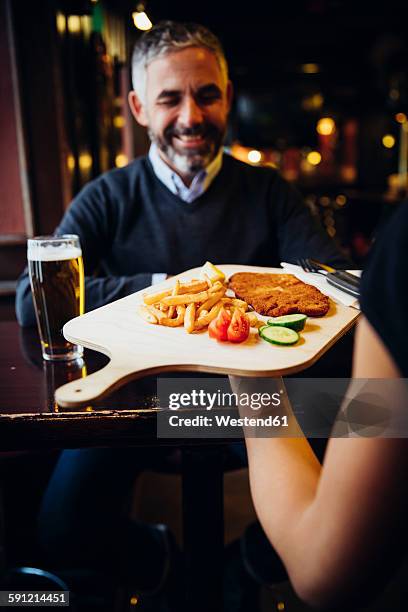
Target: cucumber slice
[293, 321]
[278, 335]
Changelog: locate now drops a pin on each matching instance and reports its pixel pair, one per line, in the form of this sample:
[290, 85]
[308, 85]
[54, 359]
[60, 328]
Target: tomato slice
[238, 331]
[218, 328]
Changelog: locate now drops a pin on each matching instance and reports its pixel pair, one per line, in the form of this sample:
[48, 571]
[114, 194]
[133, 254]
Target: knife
[340, 278]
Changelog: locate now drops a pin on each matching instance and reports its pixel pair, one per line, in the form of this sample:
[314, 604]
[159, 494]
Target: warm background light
[254, 156]
[325, 126]
[85, 161]
[61, 23]
[310, 68]
[388, 141]
[313, 102]
[401, 117]
[341, 200]
[119, 121]
[142, 21]
[74, 24]
[314, 158]
[70, 162]
[121, 160]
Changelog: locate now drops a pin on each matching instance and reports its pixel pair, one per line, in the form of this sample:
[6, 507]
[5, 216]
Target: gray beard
[187, 164]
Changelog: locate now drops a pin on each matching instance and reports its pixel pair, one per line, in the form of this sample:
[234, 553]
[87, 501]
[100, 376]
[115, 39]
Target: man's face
[186, 108]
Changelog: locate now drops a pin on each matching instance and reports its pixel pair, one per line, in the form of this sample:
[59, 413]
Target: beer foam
[52, 253]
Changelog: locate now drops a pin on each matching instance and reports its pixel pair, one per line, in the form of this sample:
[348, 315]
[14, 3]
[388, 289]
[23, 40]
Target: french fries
[193, 287]
[189, 318]
[216, 287]
[172, 309]
[177, 321]
[214, 299]
[156, 312]
[155, 298]
[193, 305]
[187, 298]
[236, 303]
[206, 319]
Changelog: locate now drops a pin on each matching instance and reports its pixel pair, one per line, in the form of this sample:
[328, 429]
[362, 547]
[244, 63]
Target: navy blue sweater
[130, 226]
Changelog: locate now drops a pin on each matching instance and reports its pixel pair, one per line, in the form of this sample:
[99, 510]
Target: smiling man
[182, 95]
[186, 201]
[185, 107]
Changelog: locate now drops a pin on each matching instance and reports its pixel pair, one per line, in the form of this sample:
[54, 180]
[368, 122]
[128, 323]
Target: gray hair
[170, 37]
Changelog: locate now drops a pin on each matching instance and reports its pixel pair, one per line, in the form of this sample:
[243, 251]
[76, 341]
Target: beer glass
[57, 284]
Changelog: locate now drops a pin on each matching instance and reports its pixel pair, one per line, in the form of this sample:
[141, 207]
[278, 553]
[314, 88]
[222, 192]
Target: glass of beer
[57, 284]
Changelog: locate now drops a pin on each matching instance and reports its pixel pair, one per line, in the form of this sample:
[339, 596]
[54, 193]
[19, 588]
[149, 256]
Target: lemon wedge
[213, 273]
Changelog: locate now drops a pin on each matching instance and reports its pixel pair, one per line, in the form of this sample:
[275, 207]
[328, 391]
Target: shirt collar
[173, 181]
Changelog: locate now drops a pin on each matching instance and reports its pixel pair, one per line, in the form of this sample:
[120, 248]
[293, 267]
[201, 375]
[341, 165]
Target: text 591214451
[50, 599]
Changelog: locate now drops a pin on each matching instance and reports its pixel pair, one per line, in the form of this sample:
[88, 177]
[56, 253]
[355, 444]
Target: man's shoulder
[124, 175]
[249, 171]
[116, 185]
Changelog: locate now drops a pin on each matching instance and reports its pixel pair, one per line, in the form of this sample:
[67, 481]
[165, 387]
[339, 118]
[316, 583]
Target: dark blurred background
[320, 93]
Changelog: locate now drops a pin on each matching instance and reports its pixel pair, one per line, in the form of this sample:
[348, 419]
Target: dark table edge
[116, 428]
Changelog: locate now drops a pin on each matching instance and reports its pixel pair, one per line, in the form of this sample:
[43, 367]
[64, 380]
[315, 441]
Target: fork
[336, 279]
[307, 266]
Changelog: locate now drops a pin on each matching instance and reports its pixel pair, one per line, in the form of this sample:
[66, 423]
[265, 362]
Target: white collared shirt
[173, 181]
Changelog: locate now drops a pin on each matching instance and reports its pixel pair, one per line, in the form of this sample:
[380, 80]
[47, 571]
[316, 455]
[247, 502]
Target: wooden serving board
[137, 348]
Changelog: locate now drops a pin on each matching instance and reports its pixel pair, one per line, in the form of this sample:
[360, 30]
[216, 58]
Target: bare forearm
[284, 472]
[284, 475]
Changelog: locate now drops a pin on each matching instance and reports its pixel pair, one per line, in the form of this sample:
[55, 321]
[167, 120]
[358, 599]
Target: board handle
[93, 387]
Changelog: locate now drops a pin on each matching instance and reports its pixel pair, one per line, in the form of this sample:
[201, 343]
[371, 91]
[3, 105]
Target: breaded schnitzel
[279, 294]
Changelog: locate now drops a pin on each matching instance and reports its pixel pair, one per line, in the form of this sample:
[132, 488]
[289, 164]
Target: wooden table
[30, 419]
